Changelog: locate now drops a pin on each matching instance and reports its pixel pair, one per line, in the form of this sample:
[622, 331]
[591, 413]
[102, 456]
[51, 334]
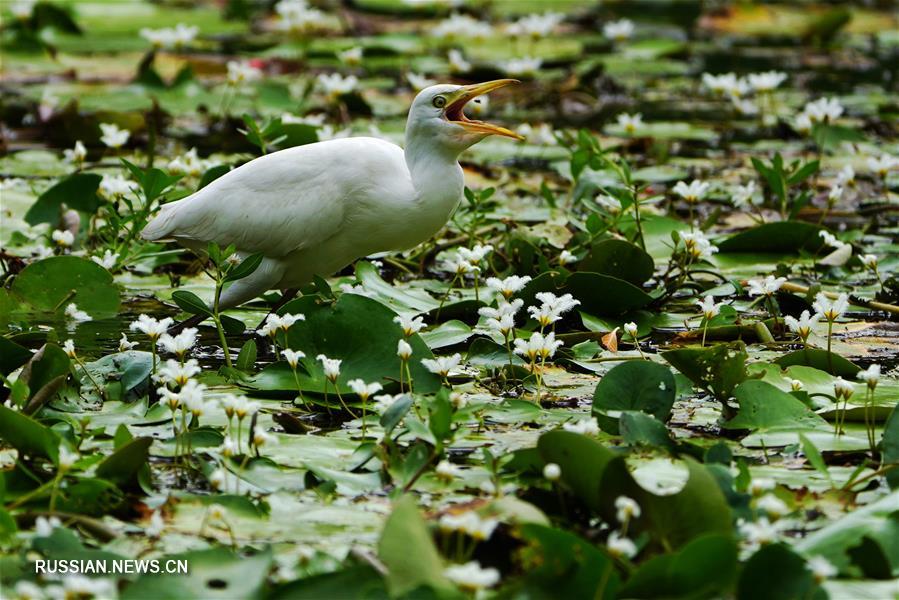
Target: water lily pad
[620, 259]
[781, 236]
[634, 385]
[49, 285]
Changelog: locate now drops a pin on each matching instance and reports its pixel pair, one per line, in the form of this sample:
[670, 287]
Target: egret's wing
[276, 204]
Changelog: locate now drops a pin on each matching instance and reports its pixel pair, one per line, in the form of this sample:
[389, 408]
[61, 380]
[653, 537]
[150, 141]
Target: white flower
[457, 62]
[744, 106]
[820, 568]
[409, 325]
[314, 120]
[469, 522]
[609, 203]
[76, 155]
[76, 314]
[760, 532]
[803, 325]
[508, 286]
[701, 249]
[842, 388]
[586, 426]
[228, 447]
[239, 406]
[883, 165]
[178, 344]
[552, 307]
[694, 192]
[535, 25]
[447, 470]
[766, 82]
[462, 26]
[631, 329]
[869, 260]
[156, 526]
[113, 136]
[802, 123]
[403, 349]
[626, 509]
[292, 357]
[43, 527]
[168, 37]
[538, 346]
[242, 72]
[418, 81]
[298, 17]
[66, 458]
[79, 586]
[174, 373]
[107, 261]
[124, 344]
[475, 254]
[630, 123]
[831, 311]
[63, 238]
[619, 545]
[69, 348]
[150, 326]
[767, 286]
[871, 376]
[472, 576]
[566, 257]
[831, 240]
[442, 365]
[541, 135]
[263, 438]
[772, 505]
[385, 401]
[331, 367]
[727, 83]
[744, 194]
[351, 56]
[552, 471]
[335, 85]
[22, 10]
[618, 30]
[217, 479]
[190, 164]
[708, 307]
[846, 176]
[795, 385]
[526, 65]
[823, 110]
[364, 390]
[759, 485]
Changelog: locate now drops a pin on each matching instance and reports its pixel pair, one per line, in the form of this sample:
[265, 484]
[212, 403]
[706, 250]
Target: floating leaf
[776, 572]
[78, 191]
[620, 259]
[49, 285]
[780, 236]
[634, 386]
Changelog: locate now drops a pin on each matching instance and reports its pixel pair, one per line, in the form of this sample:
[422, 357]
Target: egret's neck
[436, 174]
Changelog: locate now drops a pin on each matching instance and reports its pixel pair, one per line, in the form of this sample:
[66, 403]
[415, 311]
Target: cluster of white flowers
[697, 245]
[335, 85]
[535, 26]
[551, 307]
[171, 37]
[538, 347]
[739, 89]
[502, 318]
[462, 26]
[275, 323]
[467, 260]
[296, 16]
[113, 187]
[822, 110]
[469, 523]
[521, 66]
[190, 164]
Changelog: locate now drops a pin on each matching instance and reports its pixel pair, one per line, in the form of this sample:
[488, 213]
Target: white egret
[314, 209]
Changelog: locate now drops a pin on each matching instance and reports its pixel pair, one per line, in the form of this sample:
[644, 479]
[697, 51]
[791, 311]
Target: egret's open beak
[454, 111]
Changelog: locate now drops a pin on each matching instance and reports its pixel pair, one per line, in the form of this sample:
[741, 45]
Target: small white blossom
[508, 286]
[526, 65]
[409, 325]
[352, 57]
[766, 82]
[335, 85]
[619, 545]
[76, 314]
[823, 110]
[156, 526]
[63, 238]
[870, 376]
[43, 527]
[618, 31]
[566, 257]
[692, 193]
[107, 261]
[457, 62]
[67, 458]
[803, 325]
[69, 348]
[869, 261]
[631, 329]
[630, 123]
[767, 286]
[178, 344]
[472, 576]
[442, 365]
[709, 308]
[552, 471]
[626, 509]
[125, 345]
[883, 165]
[77, 154]
[772, 505]
[364, 390]
[447, 470]
[820, 568]
[331, 367]
[242, 73]
[831, 310]
[846, 176]
[418, 81]
[150, 326]
[113, 136]
[538, 346]
[586, 426]
[403, 350]
[535, 25]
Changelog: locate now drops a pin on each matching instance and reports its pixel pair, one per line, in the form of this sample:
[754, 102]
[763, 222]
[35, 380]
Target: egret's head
[438, 113]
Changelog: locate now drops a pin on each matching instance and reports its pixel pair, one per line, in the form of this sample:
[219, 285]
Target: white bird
[314, 209]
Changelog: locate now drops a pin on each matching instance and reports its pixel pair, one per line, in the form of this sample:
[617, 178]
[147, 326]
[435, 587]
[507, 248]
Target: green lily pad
[619, 259]
[637, 385]
[49, 285]
[781, 236]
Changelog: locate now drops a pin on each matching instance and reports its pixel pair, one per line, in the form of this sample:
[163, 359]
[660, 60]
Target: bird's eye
[439, 101]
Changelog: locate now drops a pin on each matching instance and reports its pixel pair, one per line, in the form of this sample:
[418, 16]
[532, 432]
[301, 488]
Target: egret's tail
[163, 224]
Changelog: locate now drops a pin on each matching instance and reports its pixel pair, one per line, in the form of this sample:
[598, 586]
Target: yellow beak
[454, 111]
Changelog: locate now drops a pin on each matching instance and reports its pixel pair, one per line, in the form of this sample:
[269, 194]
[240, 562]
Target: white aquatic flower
[242, 72]
[178, 344]
[403, 350]
[262, 437]
[67, 458]
[331, 367]
[409, 325]
[831, 310]
[772, 506]
[190, 164]
[384, 401]
[540, 135]
[314, 120]
[476, 254]
[76, 314]
[823, 110]
[630, 123]
[113, 136]
[802, 123]
[243, 407]
[22, 9]
[803, 325]
[116, 186]
[125, 345]
[107, 261]
[69, 348]
[609, 203]
[538, 346]
[767, 286]
[442, 365]
[470, 523]
[503, 309]
[552, 471]
[882, 165]
[472, 575]
[63, 238]
[170, 37]
[760, 485]
[766, 82]
[156, 525]
[834, 195]
[870, 376]
[292, 357]
[217, 479]
[869, 261]
[27, 590]
[708, 307]
[744, 194]
[745, 106]
[296, 16]
[692, 193]
[796, 385]
[351, 57]
[631, 329]
[586, 426]
[760, 532]
[536, 25]
[79, 586]
[842, 388]
[619, 545]
[508, 286]
[552, 307]
[820, 568]
[526, 65]
[229, 447]
[566, 257]
[457, 62]
[846, 176]
[720, 84]
[626, 509]
[447, 470]
[43, 526]
[335, 85]
[462, 26]
[619, 31]
[364, 390]
[418, 81]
